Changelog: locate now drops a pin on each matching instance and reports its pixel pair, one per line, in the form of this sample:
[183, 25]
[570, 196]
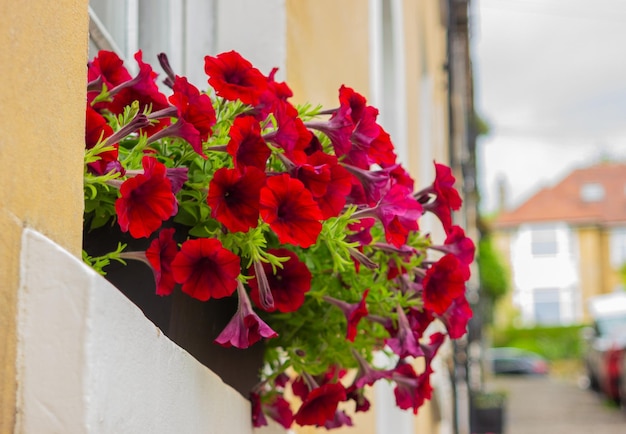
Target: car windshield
[611, 325]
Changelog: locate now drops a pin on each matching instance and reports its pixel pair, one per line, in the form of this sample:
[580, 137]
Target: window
[592, 192]
[544, 242]
[617, 245]
[547, 306]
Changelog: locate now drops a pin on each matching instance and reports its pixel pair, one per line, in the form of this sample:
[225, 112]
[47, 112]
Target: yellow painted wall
[591, 276]
[328, 45]
[43, 55]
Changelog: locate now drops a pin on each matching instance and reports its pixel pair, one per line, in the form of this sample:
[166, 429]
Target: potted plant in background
[254, 225]
[488, 412]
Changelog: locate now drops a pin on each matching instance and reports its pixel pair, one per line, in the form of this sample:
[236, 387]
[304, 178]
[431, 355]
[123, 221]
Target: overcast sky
[550, 79]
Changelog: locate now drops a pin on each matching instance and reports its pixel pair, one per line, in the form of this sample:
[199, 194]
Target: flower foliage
[302, 214]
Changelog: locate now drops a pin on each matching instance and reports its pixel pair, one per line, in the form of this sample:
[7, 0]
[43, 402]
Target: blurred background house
[410, 59]
[566, 244]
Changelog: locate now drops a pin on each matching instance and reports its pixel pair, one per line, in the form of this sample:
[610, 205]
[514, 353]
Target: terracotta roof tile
[563, 202]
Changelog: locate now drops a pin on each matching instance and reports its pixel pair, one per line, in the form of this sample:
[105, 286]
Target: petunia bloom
[246, 145]
[354, 312]
[288, 207]
[444, 282]
[206, 269]
[234, 197]
[234, 77]
[446, 197]
[320, 405]
[456, 317]
[146, 200]
[458, 244]
[160, 254]
[288, 285]
[245, 328]
[404, 342]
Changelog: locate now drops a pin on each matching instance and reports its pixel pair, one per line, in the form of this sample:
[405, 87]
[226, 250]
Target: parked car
[508, 360]
[606, 344]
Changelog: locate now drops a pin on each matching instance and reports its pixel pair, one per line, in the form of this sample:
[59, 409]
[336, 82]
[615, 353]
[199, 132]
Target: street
[544, 405]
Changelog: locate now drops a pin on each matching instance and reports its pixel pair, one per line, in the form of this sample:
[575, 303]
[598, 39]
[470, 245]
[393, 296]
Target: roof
[603, 185]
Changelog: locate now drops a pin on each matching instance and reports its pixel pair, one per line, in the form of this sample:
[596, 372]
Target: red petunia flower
[246, 327]
[233, 77]
[288, 207]
[354, 312]
[97, 129]
[196, 115]
[331, 198]
[411, 390]
[291, 134]
[108, 67]
[447, 198]
[141, 88]
[234, 197]
[444, 282]
[146, 200]
[404, 341]
[338, 129]
[287, 286]
[160, 254]
[398, 211]
[366, 374]
[320, 405]
[206, 269]
[456, 317]
[458, 244]
[276, 407]
[246, 145]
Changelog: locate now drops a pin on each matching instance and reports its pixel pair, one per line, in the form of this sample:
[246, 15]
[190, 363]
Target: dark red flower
[338, 129]
[366, 374]
[146, 200]
[446, 197]
[444, 282]
[398, 211]
[97, 129]
[196, 115]
[141, 88]
[246, 327]
[160, 254]
[353, 312]
[278, 408]
[183, 129]
[246, 145]
[258, 416]
[206, 269]
[411, 390]
[291, 134]
[288, 285]
[340, 419]
[456, 317]
[320, 405]
[331, 197]
[458, 244]
[234, 197]
[404, 342]
[288, 207]
[233, 77]
[110, 68]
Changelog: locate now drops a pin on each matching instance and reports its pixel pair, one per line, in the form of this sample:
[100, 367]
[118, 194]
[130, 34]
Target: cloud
[550, 79]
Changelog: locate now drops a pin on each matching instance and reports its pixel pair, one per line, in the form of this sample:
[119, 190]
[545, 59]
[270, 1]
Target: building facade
[409, 59]
[565, 244]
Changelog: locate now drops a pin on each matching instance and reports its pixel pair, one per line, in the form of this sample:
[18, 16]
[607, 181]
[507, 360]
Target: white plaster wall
[90, 362]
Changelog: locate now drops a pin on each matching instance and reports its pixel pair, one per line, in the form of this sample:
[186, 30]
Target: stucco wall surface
[90, 362]
[43, 53]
